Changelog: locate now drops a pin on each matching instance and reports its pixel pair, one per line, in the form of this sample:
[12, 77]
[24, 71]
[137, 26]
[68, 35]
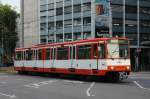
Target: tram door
[95, 56]
[53, 57]
[34, 58]
[23, 59]
[72, 50]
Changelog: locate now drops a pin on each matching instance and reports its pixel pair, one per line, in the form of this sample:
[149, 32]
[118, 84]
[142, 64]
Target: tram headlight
[128, 67]
[112, 67]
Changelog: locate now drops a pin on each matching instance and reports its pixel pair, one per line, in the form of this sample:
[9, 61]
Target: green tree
[8, 25]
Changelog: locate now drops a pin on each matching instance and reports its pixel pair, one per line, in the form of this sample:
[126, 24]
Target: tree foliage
[8, 26]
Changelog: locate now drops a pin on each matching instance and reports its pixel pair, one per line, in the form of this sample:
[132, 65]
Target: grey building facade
[69, 20]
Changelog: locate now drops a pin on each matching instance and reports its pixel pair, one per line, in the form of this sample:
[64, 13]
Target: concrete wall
[30, 21]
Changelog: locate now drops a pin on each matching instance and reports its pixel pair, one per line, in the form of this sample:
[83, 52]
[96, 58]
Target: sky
[14, 3]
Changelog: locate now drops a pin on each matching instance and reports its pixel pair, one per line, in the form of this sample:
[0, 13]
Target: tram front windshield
[118, 49]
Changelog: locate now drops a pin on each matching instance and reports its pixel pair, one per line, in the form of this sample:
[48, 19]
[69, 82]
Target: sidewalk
[7, 70]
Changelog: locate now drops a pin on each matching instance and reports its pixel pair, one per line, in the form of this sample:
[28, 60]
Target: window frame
[65, 58]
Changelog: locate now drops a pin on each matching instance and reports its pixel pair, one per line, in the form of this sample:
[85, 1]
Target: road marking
[3, 82]
[88, 90]
[37, 85]
[10, 96]
[140, 77]
[76, 82]
[140, 86]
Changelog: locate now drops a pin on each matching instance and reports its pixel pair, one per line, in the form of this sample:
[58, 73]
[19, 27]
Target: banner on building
[103, 17]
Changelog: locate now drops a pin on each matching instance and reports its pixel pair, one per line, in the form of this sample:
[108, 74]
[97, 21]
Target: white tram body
[97, 57]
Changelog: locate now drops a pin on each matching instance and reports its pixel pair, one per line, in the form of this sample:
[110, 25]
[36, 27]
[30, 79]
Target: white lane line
[140, 77]
[39, 84]
[10, 96]
[88, 90]
[140, 86]
[71, 81]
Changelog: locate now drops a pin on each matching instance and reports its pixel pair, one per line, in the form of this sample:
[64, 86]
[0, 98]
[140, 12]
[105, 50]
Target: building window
[59, 24]
[145, 10]
[51, 12]
[86, 35]
[59, 4]
[51, 6]
[59, 37]
[42, 8]
[68, 23]
[51, 25]
[87, 7]
[43, 19]
[131, 23]
[77, 22]
[117, 22]
[77, 36]
[43, 26]
[87, 21]
[76, 8]
[68, 37]
[117, 8]
[145, 24]
[131, 9]
[59, 11]
[68, 10]
[67, 0]
[43, 40]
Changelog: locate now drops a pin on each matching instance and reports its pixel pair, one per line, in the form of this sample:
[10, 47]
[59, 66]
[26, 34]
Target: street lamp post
[138, 35]
[124, 17]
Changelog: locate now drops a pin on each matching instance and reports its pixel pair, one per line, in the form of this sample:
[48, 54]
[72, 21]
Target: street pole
[22, 13]
[110, 19]
[124, 18]
[138, 34]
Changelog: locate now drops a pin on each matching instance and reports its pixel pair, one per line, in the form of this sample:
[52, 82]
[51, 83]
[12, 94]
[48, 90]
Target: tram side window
[48, 54]
[72, 52]
[29, 55]
[62, 53]
[95, 51]
[18, 55]
[84, 52]
[101, 50]
[40, 54]
[53, 53]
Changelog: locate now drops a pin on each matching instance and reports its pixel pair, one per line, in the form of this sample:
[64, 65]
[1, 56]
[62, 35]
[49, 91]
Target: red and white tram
[97, 57]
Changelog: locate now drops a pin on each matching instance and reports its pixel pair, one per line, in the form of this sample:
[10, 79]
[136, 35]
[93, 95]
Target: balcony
[67, 16]
[68, 29]
[87, 14]
[77, 15]
[77, 29]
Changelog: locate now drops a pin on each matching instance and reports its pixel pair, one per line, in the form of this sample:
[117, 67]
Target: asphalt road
[14, 86]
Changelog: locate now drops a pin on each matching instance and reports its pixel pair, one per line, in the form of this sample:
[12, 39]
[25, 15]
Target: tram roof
[67, 43]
